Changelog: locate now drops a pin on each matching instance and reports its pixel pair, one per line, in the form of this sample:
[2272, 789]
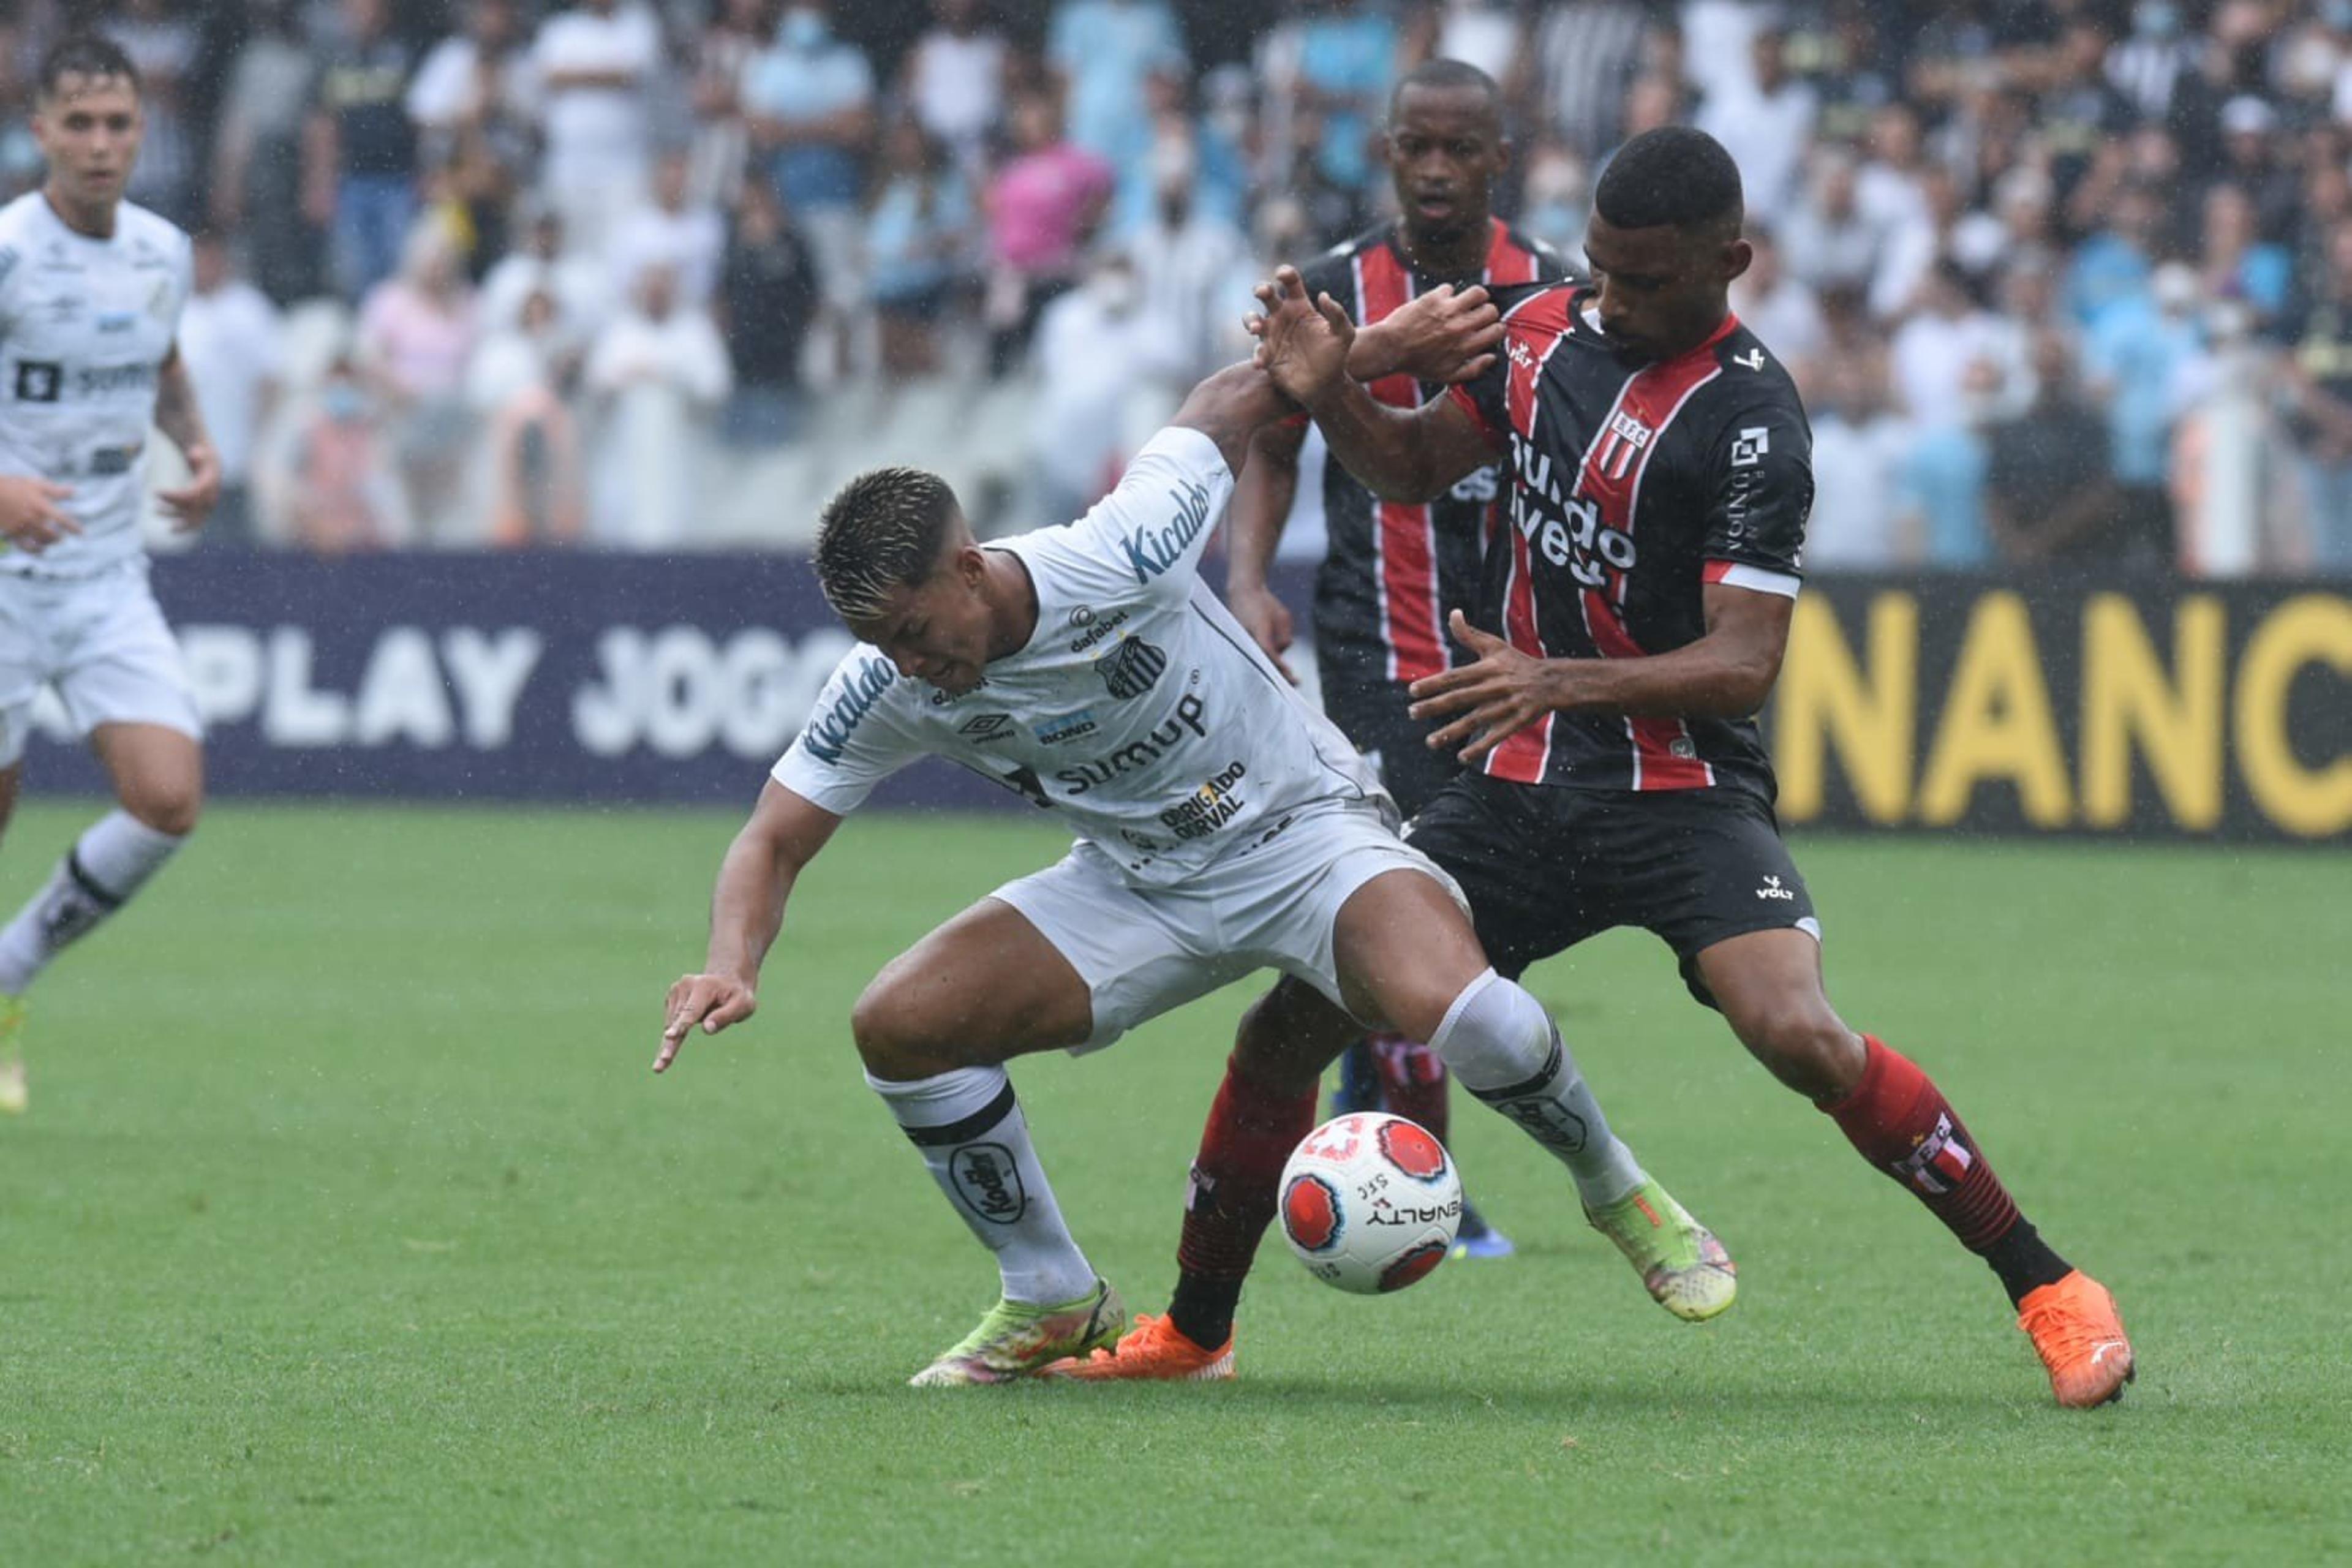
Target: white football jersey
[85, 327]
[1139, 709]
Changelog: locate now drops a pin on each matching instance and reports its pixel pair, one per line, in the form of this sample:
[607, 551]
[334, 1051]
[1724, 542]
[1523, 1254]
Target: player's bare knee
[172, 808]
[891, 1038]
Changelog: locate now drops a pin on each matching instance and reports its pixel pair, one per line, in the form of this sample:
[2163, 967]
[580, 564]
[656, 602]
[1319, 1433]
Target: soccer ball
[1370, 1203]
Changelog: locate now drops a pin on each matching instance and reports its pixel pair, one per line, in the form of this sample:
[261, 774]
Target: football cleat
[15, 1092]
[1156, 1350]
[1684, 1267]
[1016, 1338]
[1477, 1238]
[2079, 1336]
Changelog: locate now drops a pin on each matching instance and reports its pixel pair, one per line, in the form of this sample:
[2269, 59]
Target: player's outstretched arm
[1230, 406]
[1304, 346]
[1253, 523]
[1726, 674]
[747, 910]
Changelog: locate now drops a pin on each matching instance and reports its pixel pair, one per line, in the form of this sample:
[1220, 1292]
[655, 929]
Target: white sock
[969, 1128]
[109, 863]
[1504, 1048]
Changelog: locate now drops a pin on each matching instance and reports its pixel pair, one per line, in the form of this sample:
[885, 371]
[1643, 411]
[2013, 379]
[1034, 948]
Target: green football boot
[1684, 1267]
[1017, 1338]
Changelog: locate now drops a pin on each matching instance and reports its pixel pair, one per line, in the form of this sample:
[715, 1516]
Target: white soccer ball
[1370, 1203]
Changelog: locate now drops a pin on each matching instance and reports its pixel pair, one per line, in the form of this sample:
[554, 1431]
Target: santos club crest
[1130, 667]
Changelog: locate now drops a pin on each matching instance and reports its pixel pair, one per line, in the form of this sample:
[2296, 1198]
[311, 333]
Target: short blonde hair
[881, 532]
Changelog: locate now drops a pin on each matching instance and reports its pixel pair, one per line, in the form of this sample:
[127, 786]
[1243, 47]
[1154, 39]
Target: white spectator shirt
[591, 128]
[231, 341]
[682, 351]
[1857, 494]
[1139, 710]
[956, 85]
[448, 87]
[691, 243]
[85, 328]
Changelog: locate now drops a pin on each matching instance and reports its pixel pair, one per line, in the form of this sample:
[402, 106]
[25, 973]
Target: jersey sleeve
[1760, 474]
[855, 737]
[1145, 538]
[1486, 398]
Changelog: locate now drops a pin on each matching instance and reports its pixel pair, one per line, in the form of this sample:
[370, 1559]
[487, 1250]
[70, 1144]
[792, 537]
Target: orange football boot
[1155, 1349]
[2079, 1336]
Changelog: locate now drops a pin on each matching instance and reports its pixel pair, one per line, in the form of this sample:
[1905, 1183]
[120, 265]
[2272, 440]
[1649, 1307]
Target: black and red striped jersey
[1394, 569]
[1632, 485]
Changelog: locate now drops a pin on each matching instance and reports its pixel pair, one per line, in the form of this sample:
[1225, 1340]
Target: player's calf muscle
[1800, 1039]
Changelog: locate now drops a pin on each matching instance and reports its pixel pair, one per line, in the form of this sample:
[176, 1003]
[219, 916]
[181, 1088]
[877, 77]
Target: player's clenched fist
[713, 1001]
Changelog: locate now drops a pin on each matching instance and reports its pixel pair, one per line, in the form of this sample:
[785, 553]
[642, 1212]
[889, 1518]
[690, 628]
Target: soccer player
[1394, 570]
[1660, 477]
[90, 291]
[1223, 826]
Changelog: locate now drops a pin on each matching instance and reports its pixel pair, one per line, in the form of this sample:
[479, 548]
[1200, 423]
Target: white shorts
[102, 642]
[1144, 950]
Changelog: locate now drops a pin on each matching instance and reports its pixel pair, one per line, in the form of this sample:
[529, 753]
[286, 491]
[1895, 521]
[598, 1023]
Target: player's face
[937, 631]
[88, 129]
[1661, 287]
[1445, 150]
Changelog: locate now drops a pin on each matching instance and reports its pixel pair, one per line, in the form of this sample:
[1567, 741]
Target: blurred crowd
[2061, 279]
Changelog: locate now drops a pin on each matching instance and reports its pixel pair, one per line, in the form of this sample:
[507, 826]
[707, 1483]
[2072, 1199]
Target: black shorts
[1373, 717]
[1545, 867]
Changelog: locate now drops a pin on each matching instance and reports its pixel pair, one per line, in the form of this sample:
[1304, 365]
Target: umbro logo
[1773, 890]
[983, 728]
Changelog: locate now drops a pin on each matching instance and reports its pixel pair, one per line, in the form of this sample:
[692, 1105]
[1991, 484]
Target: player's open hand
[1445, 335]
[1488, 700]
[712, 1000]
[1302, 343]
[30, 515]
[190, 503]
[1267, 621]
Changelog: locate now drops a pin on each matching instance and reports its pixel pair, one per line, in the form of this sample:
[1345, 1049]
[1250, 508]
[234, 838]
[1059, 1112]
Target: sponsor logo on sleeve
[830, 730]
[1152, 551]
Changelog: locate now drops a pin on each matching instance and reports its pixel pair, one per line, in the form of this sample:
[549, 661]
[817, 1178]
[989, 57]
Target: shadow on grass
[1648, 1395]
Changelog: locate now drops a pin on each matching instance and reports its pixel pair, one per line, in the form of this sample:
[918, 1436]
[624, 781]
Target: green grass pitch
[349, 1226]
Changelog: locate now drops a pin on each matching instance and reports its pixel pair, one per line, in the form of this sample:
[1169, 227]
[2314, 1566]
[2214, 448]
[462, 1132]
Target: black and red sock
[1900, 1122]
[1413, 1082]
[1236, 1177]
